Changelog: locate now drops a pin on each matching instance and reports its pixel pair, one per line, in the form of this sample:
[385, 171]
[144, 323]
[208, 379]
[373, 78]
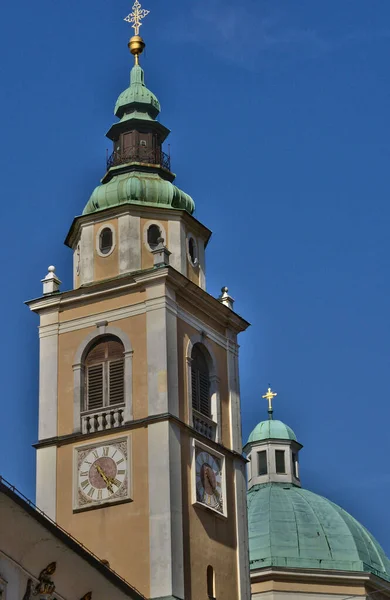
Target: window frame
[145, 233]
[106, 374]
[79, 372]
[193, 261]
[197, 402]
[265, 454]
[215, 396]
[98, 234]
[282, 453]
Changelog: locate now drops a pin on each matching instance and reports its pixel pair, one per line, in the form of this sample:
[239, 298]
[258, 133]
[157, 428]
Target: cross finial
[270, 395]
[135, 17]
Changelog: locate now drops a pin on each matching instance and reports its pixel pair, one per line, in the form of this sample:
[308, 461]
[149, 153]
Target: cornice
[64, 440]
[320, 577]
[136, 210]
[192, 293]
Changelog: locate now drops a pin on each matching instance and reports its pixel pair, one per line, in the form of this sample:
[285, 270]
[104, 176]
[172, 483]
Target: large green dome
[271, 430]
[139, 188]
[292, 527]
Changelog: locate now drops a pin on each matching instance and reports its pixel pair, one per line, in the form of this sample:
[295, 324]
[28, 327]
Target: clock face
[209, 479]
[102, 473]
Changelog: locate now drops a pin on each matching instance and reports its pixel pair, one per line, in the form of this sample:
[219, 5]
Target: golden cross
[270, 395]
[135, 17]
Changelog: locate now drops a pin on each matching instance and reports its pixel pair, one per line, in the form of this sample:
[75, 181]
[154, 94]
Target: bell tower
[139, 451]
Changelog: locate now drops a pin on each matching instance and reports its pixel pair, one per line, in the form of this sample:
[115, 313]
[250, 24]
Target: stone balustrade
[204, 425]
[107, 418]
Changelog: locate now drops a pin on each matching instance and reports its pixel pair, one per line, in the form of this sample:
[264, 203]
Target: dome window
[154, 234]
[295, 465]
[192, 251]
[106, 241]
[262, 462]
[280, 462]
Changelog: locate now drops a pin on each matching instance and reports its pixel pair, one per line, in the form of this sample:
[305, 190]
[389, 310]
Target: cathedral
[145, 488]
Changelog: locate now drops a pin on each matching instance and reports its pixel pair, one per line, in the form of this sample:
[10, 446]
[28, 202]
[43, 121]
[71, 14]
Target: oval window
[193, 251]
[105, 240]
[154, 234]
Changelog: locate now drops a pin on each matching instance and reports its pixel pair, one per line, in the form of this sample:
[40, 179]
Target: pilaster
[165, 507]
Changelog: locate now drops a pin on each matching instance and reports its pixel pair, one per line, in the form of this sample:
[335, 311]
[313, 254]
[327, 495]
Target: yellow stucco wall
[106, 266]
[117, 533]
[212, 539]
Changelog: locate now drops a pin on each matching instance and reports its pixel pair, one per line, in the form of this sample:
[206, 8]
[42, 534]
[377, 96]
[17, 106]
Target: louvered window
[104, 375]
[200, 382]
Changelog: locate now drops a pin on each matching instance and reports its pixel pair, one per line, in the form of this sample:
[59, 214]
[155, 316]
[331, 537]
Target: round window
[154, 234]
[105, 240]
[192, 251]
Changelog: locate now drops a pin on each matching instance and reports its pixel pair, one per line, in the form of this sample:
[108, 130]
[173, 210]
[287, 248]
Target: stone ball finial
[51, 269]
[224, 290]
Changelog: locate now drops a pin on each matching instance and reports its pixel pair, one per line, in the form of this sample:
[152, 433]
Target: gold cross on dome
[270, 395]
[135, 17]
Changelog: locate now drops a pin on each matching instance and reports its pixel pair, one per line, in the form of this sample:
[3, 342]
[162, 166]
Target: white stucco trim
[78, 370]
[48, 383]
[97, 240]
[214, 380]
[234, 393]
[202, 264]
[129, 233]
[46, 481]
[156, 340]
[138, 309]
[86, 254]
[145, 233]
[165, 510]
[240, 490]
[177, 246]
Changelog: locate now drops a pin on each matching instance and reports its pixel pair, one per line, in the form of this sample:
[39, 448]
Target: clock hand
[107, 480]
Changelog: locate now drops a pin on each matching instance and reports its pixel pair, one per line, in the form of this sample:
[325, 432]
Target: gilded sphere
[136, 45]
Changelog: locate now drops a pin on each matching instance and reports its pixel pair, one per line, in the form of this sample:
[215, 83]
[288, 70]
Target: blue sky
[280, 131]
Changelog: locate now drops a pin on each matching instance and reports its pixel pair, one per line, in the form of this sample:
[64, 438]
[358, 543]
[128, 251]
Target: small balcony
[107, 418]
[140, 154]
[204, 425]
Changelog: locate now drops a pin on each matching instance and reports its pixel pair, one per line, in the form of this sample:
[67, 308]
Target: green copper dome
[138, 188]
[292, 527]
[271, 429]
[137, 97]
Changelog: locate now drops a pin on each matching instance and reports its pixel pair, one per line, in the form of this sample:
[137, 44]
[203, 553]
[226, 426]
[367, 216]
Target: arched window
[200, 382]
[104, 374]
[210, 583]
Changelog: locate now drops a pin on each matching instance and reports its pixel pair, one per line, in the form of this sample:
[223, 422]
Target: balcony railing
[106, 418]
[204, 425]
[152, 156]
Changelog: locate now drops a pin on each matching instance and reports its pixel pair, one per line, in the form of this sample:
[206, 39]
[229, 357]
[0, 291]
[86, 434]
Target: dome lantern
[272, 451]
